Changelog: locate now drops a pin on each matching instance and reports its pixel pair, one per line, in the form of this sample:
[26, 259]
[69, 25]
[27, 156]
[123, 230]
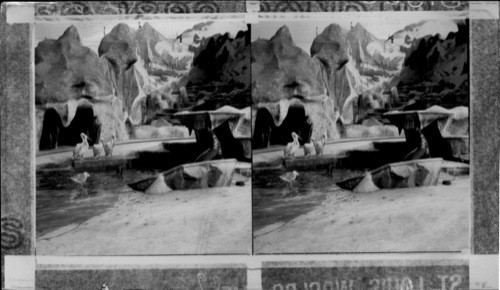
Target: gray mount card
[249, 144]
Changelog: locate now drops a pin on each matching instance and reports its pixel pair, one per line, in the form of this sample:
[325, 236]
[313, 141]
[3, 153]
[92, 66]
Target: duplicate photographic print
[360, 134]
[143, 137]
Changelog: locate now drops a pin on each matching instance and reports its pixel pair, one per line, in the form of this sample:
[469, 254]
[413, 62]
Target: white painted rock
[158, 187]
[366, 185]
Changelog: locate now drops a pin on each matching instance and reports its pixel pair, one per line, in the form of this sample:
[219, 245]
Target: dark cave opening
[267, 134]
[54, 133]
[230, 147]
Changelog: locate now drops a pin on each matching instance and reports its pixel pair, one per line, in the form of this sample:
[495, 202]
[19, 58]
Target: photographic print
[360, 134]
[143, 137]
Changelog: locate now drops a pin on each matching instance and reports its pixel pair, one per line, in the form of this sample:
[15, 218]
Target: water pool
[61, 202]
[274, 202]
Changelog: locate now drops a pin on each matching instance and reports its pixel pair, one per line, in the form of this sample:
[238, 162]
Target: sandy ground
[208, 221]
[432, 218]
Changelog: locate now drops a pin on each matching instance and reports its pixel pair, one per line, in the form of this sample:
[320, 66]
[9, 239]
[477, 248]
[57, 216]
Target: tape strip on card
[19, 12]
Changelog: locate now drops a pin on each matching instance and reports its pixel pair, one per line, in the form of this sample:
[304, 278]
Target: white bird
[80, 178]
[98, 148]
[293, 146]
[289, 177]
[104, 287]
[309, 148]
[80, 148]
[319, 144]
[108, 146]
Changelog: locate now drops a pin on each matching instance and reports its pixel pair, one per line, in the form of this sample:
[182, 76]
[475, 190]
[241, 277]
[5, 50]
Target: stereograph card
[250, 145]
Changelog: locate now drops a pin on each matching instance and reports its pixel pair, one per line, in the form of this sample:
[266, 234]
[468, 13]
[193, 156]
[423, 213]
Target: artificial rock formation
[65, 70]
[131, 79]
[74, 93]
[70, 77]
[119, 49]
[351, 75]
[130, 60]
[222, 58]
[220, 72]
[342, 80]
[438, 60]
[306, 94]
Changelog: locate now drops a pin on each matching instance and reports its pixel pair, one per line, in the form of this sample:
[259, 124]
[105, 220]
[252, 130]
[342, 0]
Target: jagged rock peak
[333, 37]
[283, 33]
[146, 27]
[148, 31]
[71, 33]
[360, 33]
[120, 33]
[358, 26]
[121, 28]
[332, 31]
